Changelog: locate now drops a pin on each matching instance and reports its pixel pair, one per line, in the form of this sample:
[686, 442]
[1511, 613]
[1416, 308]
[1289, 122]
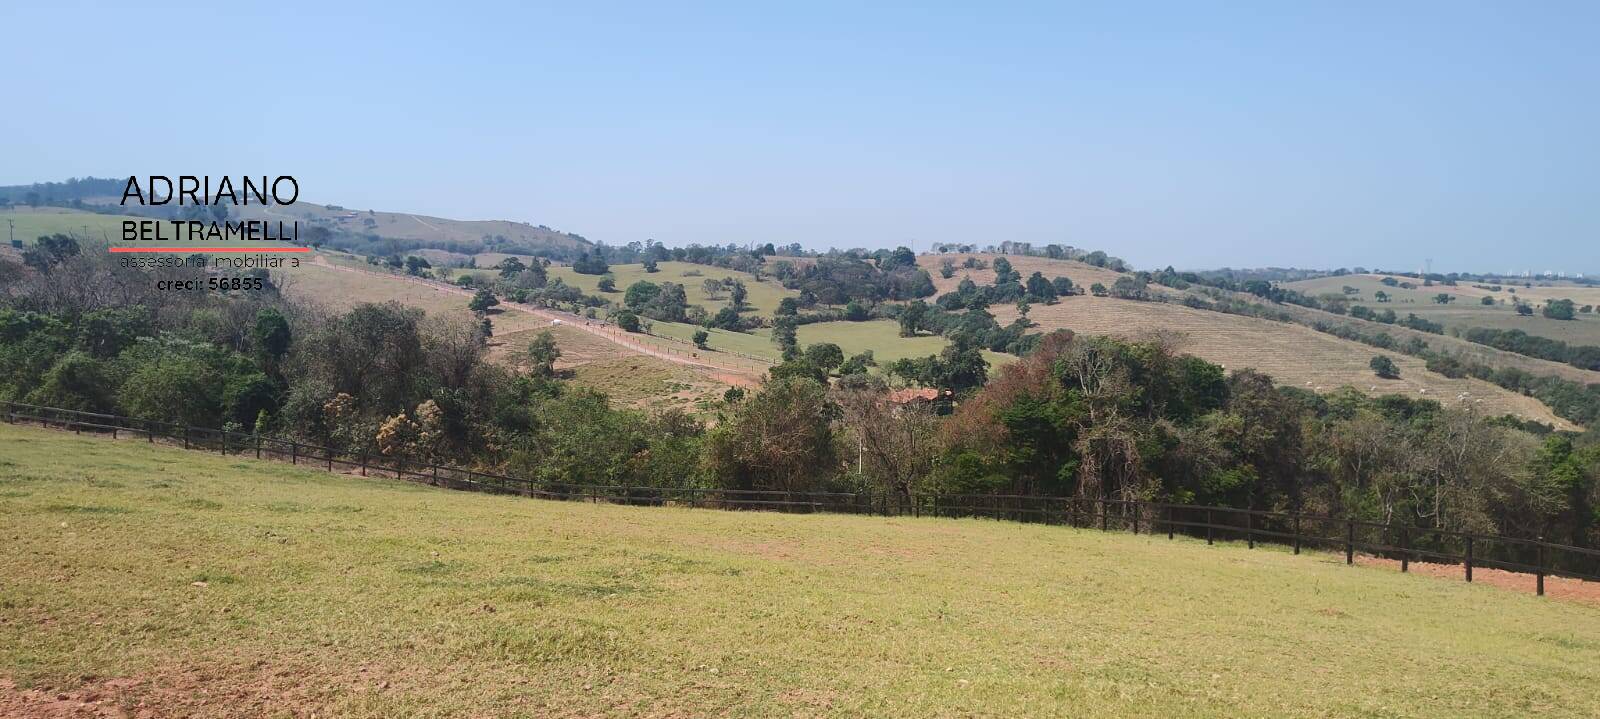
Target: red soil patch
[1557, 587]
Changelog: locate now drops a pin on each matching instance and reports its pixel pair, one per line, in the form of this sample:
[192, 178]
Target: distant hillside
[359, 231]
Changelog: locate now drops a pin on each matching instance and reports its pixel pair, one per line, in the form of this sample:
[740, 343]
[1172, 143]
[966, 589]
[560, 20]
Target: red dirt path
[1575, 590]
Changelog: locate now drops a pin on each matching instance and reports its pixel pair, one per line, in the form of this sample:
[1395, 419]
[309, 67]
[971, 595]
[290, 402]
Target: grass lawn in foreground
[234, 587]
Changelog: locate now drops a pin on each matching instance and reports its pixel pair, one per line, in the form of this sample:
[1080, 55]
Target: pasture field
[1082, 275]
[763, 299]
[1292, 354]
[1467, 309]
[30, 223]
[146, 577]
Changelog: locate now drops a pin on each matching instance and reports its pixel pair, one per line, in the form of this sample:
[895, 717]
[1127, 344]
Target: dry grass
[145, 578]
[1082, 275]
[1467, 310]
[1291, 354]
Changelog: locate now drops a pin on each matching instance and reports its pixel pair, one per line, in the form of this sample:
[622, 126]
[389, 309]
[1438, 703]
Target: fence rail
[1406, 544]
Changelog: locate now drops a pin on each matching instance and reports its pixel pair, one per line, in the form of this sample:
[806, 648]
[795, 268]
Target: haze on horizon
[1240, 134]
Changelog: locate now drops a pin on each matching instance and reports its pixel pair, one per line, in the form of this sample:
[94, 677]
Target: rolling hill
[211, 586]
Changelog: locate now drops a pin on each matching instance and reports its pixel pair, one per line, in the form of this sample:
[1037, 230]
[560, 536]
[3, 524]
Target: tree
[607, 284]
[738, 294]
[1524, 309]
[1559, 309]
[1486, 301]
[415, 265]
[50, 251]
[825, 355]
[1063, 286]
[482, 301]
[1380, 296]
[641, 293]
[896, 445]
[511, 266]
[854, 311]
[912, 318]
[857, 364]
[650, 266]
[783, 333]
[1040, 288]
[590, 265]
[712, 288]
[1098, 289]
[543, 353]
[628, 321]
[947, 268]
[270, 336]
[1384, 367]
[700, 339]
[788, 307]
[1002, 271]
[779, 439]
[1443, 298]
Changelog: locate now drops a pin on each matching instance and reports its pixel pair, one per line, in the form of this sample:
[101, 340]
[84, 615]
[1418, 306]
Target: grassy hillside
[228, 587]
[1291, 354]
[1467, 309]
[423, 228]
[30, 223]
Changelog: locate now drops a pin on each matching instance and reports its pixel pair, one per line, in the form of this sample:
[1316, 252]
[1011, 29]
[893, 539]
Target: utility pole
[13, 224]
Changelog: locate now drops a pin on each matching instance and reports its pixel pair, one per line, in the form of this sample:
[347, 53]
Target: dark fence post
[1349, 541]
[1135, 517]
[1296, 532]
[435, 481]
[1169, 521]
[224, 443]
[1250, 528]
[185, 437]
[1405, 549]
[1105, 515]
[1208, 525]
[330, 458]
[294, 453]
[258, 446]
[1540, 586]
[1469, 558]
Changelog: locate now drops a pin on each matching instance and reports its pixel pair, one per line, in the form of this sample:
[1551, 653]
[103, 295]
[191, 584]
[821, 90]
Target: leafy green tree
[650, 266]
[628, 321]
[607, 284]
[482, 301]
[1098, 289]
[543, 353]
[511, 266]
[738, 294]
[825, 355]
[640, 294]
[1002, 270]
[415, 265]
[787, 307]
[76, 381]
[783, 333]
[1559, 309]
[1486, 301]
[1062, 285]
[854, 311]
[1384, 367]
[700, 338]
[1524, 309]
[857, 364]
[1040, 288]
[912, 318]
[270, 336]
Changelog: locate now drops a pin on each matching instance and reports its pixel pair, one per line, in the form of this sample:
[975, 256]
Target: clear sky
[1192, 134]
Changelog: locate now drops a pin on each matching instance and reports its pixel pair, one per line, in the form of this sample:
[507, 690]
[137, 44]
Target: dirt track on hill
[730, 373]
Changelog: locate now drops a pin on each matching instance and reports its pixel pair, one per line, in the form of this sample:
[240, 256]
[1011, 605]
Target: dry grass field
[1082, 275]
[1292, 354]
[650, 382]
[1467, 309]
[145, 581]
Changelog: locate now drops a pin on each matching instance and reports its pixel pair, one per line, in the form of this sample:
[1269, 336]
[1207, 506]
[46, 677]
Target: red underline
[211, 249]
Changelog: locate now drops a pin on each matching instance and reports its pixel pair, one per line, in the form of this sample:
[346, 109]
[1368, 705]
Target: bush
[628, 321]
[1384, 367]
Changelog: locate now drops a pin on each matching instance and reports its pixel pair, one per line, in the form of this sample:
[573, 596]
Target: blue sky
[1192, 134]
